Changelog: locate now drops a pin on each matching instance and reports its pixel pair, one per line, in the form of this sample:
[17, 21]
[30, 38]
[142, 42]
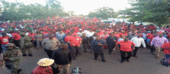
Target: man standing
[44, 66]
[85, 42]
[12, 58]
[26, 44]
[50, 44]
[157, 42]
[16, 37]
[122, 37]
[138, 41]
[66, 39]
[59, 36]
[75, 42]
[166, 48]
[63, 58]
[80, 32]
[98, 48]
[111, 42]
[125, 46]
[4, 40]
[90, 39]
[38, 38]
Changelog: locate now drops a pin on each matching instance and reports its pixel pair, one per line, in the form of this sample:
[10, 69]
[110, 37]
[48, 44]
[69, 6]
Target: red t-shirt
[32, 36]
[4, 40]
[152, 27]
[16, 36]
[166, 47]
[75, 41]
[67, 38]
[117, 35]
[168, 35]
[126, 46]
[41, 70]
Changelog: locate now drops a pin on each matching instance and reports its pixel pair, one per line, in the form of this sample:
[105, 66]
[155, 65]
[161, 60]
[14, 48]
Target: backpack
[164, 61]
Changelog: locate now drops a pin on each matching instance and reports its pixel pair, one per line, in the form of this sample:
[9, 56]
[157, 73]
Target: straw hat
[45, 62]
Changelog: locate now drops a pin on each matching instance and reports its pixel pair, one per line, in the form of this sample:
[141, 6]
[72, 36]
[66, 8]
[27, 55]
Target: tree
[19, 11]
[155, 11]
[104, 13]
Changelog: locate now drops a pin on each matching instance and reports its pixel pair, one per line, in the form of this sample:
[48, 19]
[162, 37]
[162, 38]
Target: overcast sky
[83, 6]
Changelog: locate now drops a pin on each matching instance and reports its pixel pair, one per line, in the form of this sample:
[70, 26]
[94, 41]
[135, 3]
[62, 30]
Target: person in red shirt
[166, 47]
[4, 40]
[44, 67]
[75, 42]
[125, 46]
[16, 37]
[67, 38]
[152, 27]
[32, 35]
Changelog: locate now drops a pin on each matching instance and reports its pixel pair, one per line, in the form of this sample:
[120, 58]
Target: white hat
[45, 62]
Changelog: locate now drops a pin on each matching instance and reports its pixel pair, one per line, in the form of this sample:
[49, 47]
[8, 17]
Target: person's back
[39, 37]
[166, 47]
[61, 56]
[126, 46]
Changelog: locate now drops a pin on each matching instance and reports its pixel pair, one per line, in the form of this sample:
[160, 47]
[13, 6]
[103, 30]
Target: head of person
[31, 32]
[10, 46]
[64, 46]
[80, 30]
[126, 39]
[45, 62]
[91, 30]
[17, 32]
[105, 33]
[95, 34]
[97, 31]
[98, 38]
[111, 34]
[69, 34]
[84, 34]
[138, 35]
[61, 32]
[22, 34]
[50, 36]
[74, 34]
[160, 35]
[122, 36]
[3, 34]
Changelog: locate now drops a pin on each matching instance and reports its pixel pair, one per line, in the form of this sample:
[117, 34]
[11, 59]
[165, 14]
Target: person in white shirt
[87, 32]
[91, 33]
[138, 41]
[80, 32]
[122, 37]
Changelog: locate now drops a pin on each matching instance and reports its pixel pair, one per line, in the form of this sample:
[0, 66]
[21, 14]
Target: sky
[83, 6]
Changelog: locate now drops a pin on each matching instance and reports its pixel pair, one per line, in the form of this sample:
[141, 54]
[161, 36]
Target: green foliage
[155, 11]
[104, 13]
[19, 11]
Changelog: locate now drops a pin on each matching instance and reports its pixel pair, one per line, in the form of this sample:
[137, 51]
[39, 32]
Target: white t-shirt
[138, 41]
[8, 34]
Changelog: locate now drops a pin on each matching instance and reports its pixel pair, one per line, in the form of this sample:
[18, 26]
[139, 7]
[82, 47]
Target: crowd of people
[64, 38]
